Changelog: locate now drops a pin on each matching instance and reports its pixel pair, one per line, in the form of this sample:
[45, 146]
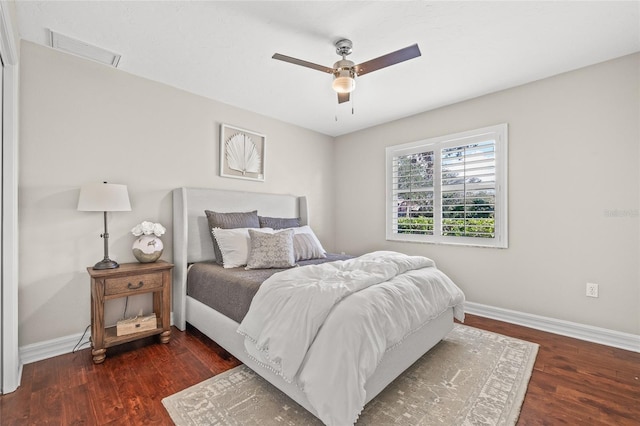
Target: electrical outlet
[592, 290]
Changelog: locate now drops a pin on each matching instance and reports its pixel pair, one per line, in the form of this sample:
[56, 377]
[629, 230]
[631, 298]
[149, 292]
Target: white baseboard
[50, 348]
[603, 336]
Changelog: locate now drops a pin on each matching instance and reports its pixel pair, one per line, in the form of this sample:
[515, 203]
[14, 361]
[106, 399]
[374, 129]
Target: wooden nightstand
[128, 280]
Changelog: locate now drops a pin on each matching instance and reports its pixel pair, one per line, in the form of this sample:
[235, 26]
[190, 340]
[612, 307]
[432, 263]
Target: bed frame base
[222, 330]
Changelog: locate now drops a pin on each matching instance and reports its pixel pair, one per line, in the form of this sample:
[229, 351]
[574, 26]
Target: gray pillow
[279, 222]
[270, 250]
[229, 221]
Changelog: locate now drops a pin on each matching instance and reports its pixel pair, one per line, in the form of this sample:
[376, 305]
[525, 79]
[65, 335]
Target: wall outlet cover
[592, 290]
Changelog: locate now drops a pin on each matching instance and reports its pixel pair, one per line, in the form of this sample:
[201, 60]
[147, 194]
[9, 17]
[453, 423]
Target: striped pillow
[305, 247]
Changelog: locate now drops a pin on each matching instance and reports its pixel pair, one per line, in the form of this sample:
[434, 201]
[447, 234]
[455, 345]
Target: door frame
[11, 368]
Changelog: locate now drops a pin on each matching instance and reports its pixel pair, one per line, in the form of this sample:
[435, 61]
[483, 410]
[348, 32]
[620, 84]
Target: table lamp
[104, 197]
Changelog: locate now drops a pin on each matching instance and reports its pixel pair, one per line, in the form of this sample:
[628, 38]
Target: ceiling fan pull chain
[352, 105]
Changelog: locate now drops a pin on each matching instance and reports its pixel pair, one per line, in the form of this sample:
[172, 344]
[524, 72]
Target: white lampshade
[344, 83]
[104, 197]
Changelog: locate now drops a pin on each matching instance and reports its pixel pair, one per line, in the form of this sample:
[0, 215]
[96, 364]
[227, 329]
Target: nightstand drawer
[133, 283]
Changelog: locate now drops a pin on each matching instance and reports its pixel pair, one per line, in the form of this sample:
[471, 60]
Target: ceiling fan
[345, 71]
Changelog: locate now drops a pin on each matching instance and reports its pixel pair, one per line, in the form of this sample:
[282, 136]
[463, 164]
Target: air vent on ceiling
[82, 49]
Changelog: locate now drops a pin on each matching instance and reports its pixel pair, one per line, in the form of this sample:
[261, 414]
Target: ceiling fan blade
[389, 59]
[343, 97]
[307, 64]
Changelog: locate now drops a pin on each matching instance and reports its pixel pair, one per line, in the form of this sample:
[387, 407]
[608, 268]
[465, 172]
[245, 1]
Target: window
[450, 189]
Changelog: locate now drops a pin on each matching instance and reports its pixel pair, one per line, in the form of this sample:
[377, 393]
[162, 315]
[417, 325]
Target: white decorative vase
[147, 248]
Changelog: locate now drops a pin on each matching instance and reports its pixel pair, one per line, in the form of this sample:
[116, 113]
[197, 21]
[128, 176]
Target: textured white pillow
[268, 250]
[307, 245]
[234, 244]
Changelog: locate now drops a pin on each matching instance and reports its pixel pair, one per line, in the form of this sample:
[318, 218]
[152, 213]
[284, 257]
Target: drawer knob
[135, 287]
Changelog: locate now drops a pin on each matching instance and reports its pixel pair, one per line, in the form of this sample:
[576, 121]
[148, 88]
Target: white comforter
[327, 326]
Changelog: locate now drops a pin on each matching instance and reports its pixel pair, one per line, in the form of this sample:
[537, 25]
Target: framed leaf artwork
[241, 153]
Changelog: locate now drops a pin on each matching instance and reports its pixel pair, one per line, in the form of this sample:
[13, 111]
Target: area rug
[472, 377]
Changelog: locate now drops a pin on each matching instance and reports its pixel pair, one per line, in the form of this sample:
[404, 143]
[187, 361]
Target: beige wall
[574, 193]
[574, 157]
[84, 122]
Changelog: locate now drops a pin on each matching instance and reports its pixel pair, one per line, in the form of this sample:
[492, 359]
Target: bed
[192, 244]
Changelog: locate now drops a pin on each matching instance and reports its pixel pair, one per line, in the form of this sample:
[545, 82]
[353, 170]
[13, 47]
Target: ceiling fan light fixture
[345, 71]
[344, 83]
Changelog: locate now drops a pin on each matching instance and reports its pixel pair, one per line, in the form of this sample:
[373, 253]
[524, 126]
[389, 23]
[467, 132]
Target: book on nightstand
[136, 324]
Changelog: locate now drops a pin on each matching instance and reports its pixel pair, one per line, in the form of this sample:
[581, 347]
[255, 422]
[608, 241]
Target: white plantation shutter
[450, 189]
[412, 198]
[468, 188]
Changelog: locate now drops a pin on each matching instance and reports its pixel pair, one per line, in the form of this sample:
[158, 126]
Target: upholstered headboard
[191, 238]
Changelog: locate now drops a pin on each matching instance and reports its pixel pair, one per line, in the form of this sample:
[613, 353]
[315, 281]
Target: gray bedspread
[230, 291]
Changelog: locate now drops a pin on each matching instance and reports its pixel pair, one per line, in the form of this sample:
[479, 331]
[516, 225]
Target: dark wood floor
[573, 382]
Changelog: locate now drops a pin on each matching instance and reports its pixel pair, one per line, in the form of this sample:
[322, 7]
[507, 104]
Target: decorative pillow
[230, 221]
[278, 222]
[234, 245]
[305, 247]
[308, 245]
[271, 250]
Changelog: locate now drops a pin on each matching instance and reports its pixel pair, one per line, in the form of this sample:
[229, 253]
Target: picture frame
[242, 153]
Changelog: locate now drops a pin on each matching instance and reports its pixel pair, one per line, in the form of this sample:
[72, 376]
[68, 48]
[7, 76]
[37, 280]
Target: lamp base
[106, 264]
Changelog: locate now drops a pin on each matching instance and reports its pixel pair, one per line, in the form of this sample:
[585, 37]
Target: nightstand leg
[98, 355]
[165, 336]
[97, 321]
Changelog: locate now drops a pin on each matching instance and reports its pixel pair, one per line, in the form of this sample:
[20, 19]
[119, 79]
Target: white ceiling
[222, 49]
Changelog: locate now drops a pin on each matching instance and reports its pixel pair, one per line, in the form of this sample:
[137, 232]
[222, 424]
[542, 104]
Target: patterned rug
[472, 377]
